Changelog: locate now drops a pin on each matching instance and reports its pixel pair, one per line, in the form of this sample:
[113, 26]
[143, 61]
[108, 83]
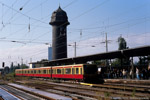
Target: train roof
[56, 66]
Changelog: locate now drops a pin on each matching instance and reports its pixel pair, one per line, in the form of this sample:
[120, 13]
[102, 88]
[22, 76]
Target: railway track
[20, 94]
[98, 91]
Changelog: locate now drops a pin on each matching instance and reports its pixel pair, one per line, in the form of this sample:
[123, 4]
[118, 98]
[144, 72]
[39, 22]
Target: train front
[90, 74]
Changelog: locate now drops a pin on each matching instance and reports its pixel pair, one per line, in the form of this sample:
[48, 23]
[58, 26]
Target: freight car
[80, 72]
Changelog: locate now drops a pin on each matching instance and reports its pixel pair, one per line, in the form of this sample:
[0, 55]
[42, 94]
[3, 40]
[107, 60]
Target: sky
[25, 33]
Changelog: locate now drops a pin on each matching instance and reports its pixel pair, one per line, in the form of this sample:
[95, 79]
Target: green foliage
[107, 94]
[9, 77]
[99, 62]
[122, 43]
[116, 62]
[13, 68]
[143, 60]
[24, 66]
[134, 91]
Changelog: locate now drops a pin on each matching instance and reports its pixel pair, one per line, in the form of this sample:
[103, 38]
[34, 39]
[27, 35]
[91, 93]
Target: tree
[12, 67]
[122, 43]
[143, 60]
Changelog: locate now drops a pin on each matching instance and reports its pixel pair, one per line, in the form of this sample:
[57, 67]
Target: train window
[39, 71]
[34, 71]
[28, 71]
[68, 71]
[49, 71]
[58, 71]
[77, 70]
[44, 71]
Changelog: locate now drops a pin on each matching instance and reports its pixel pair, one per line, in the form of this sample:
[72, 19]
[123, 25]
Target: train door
[73, 72]
[62, 72]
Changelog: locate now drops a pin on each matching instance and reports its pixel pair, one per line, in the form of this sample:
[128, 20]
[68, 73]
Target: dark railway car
[82, 72]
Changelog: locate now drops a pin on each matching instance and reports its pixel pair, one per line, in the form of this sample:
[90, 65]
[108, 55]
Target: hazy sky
[25, 29]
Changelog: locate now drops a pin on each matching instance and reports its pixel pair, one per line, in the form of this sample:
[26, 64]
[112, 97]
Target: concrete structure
[59, 22]
[49, 53]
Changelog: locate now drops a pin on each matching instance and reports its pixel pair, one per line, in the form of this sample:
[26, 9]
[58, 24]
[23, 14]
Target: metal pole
[74, 49]
[106, 61]
[132, 67]
[106, 43]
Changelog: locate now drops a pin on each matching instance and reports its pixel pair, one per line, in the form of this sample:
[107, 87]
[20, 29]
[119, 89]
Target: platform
[128, 81]
[7, 96]
[40, 92]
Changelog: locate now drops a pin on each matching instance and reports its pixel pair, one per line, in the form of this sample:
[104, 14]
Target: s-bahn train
[80, 72]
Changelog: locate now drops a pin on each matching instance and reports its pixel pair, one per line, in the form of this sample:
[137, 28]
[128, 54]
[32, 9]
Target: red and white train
[82, 72]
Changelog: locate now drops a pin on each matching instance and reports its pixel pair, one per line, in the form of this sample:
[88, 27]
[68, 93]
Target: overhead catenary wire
[86, 11]
[23, 13]
[20, 29]
[24, 5]
[89, 10]
[70, 4]
[23, 42]
[148, 19]
[91, 38]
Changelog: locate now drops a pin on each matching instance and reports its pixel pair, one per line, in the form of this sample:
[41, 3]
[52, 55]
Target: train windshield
[90, 69]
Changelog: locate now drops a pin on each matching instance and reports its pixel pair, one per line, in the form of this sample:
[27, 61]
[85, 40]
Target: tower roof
[59, 16]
